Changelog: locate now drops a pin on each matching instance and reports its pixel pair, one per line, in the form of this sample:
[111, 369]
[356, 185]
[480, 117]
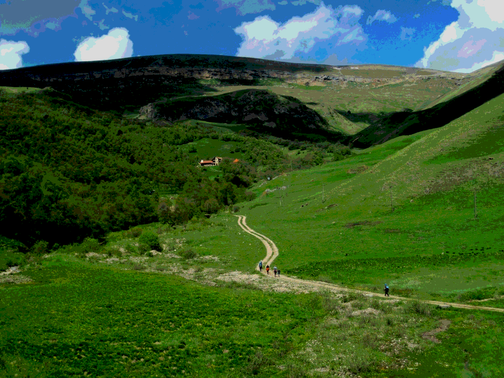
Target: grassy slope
[108, 320]
[476, 93]
[474, 79]
[432, 181]
[78, 318]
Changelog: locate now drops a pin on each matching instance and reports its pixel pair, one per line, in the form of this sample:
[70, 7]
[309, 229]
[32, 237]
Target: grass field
[81, 318]
[422, 213]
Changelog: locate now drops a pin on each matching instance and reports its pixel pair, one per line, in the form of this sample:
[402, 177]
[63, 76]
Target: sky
[448, 35]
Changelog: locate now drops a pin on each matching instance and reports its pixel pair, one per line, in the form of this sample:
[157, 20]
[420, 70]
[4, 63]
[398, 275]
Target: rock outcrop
[261, 109]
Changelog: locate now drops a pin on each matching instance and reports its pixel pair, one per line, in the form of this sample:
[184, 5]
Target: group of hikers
[276, 271]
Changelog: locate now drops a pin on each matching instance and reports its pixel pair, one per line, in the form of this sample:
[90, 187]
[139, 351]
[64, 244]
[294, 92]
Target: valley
[134, 261]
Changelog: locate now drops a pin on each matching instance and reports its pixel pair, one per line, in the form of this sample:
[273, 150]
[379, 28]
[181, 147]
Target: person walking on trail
[275, 270]
[278, 272]
[386, 290]
[260, 266]
[267, 269]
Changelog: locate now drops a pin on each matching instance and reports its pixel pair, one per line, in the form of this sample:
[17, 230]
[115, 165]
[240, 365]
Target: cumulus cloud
[244, 7]
[474, 41]
[114, 45]
[10, 54]
[382, 15]
[326, 28]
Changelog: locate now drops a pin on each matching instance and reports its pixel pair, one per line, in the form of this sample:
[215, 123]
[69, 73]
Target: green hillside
[408, 199]
[130, 260]
[69, 171]
[455, 105]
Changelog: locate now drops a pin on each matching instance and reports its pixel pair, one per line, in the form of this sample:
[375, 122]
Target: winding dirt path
[272, 254]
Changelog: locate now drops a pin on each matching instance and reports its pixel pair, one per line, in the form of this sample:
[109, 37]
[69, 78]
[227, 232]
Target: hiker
[386, 290]
[278, 272]
[275, 270]
[267, 269]
[260, 266]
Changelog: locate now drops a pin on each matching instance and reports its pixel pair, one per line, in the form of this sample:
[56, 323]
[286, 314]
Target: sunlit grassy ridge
[418, 201]
[458, 103]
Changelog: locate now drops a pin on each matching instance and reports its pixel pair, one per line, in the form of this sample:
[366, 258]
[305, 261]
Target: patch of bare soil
[277, 284]
[431, 335]
[15, 279]
[367, 311]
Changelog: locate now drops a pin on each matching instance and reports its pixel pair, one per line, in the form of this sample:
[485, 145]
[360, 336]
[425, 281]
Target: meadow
[418, 214]
[77, 317]
[181, 297]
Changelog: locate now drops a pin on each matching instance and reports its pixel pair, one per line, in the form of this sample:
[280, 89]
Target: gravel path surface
[272, 254]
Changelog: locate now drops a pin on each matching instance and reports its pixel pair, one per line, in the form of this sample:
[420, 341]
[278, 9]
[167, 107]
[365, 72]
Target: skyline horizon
[459, 36]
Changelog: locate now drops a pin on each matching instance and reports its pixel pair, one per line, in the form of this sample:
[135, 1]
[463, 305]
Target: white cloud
[110, 10]
[407, 33]
[130, 15]
[244, 7]
[266, 38]
[87, 10]
[114, 45]
[10, 54]
[382, 15]
[474, 41]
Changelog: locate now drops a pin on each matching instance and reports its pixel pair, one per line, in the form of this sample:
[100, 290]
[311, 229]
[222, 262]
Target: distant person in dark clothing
[278, 272]
[267, 269]
[275, 270]
[260, 265]
[386, 290]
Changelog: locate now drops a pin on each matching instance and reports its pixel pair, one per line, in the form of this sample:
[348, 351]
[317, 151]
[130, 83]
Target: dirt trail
[272, 254]
[271, 248]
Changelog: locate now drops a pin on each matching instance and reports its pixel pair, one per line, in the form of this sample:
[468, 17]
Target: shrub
[134, 232]
[419, 308]
[10, 258]
[170, 246]
[90, 245]
[350, 296]
[151, 240]
[188, 254]
[40, 247]
[255, 363]
[143, 248]
[114, 251]
[249, 196]
[236, 209]
[130, 248]
[360, 361]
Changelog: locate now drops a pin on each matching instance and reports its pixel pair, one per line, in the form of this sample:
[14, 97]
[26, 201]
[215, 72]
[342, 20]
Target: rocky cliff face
[260, 109]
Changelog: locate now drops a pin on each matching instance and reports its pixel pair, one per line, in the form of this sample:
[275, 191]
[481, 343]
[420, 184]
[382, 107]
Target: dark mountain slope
[262, 110]
[407, 122]
[113, 84]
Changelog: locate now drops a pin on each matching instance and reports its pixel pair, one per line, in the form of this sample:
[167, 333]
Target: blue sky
[450, 35]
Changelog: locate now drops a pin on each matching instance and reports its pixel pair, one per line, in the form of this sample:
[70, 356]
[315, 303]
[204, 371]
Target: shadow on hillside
[406, 123]
[101, 85]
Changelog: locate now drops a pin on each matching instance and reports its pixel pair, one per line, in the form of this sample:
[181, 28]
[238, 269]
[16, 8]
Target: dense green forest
[68, 171]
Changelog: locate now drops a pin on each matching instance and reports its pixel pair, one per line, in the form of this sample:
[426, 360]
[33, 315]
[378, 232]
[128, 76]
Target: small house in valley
[206, 163]
[210, 163]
